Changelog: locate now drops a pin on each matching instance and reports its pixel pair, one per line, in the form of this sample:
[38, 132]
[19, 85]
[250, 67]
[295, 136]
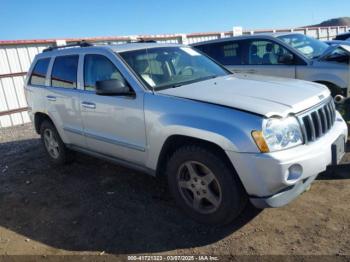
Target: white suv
[169, 110]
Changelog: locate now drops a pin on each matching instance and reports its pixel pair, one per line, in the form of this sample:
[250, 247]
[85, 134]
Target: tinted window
[265, 52]
[39, 72]
[64, 71]
[99, 68]
[226, 53]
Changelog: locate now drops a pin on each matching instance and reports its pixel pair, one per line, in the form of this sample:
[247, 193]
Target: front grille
[317, 121]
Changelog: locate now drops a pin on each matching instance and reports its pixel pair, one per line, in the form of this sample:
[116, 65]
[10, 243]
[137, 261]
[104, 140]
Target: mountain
[341, 21]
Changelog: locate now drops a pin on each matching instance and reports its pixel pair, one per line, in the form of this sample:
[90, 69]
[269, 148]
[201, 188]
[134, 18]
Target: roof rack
[141, 40]
[82, 43]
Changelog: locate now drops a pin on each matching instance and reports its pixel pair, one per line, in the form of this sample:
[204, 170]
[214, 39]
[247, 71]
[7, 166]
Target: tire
[205, 186]
[53, 144]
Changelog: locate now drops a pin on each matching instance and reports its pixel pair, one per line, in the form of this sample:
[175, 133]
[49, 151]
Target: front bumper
[284, 196]
[265, 176]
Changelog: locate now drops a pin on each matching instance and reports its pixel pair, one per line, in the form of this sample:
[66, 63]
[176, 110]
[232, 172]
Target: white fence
[16, 56]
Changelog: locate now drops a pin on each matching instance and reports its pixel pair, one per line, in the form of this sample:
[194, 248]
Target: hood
[262, 95]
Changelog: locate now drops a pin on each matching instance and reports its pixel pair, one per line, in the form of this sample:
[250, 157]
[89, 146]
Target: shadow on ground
[91, 205]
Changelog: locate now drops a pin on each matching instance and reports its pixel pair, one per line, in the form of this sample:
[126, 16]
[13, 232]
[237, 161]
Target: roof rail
[82, 43]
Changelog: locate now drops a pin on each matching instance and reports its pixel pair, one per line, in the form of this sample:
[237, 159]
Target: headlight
[278, 134]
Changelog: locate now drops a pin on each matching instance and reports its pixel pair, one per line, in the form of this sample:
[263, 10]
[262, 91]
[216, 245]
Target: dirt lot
[91, 206]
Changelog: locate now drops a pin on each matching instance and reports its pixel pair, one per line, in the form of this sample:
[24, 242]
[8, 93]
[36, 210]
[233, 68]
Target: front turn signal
[260, 141]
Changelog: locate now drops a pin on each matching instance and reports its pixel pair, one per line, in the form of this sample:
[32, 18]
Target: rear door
[63, 99]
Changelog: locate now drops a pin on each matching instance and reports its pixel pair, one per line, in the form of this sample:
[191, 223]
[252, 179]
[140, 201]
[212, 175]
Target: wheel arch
[335, 89]
[39, 118]
[173, 142]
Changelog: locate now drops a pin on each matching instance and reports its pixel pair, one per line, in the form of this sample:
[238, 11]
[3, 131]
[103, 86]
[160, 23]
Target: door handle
[51, 98]
[88, 105]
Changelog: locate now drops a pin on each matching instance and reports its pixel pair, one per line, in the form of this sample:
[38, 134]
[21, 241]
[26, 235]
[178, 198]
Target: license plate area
[338, 150]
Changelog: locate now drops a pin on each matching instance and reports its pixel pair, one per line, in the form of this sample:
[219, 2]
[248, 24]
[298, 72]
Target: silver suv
[168, 110]
[288, 55]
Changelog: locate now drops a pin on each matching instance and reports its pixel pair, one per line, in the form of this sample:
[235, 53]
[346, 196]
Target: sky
[41, 19]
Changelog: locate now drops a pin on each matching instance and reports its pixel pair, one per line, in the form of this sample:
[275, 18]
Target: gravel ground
[93, 207]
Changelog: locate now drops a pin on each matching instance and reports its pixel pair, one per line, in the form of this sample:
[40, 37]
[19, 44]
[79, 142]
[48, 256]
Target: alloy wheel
[199, 187]
[51, 143]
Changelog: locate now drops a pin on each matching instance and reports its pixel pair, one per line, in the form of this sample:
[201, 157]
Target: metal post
[328, 33]
[61, 42]
[184, 39]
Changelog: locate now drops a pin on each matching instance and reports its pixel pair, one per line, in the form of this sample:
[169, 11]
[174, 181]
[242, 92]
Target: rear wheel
[53, 144]
[205, 186]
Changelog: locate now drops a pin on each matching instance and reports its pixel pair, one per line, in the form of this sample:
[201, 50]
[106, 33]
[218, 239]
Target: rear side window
[64, 71]
[226, 53]
[39, 72]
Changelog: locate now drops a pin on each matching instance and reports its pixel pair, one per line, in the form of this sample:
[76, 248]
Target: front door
[263, 57]
[113, 125]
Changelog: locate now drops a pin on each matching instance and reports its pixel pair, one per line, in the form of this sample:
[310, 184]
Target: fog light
[294, 173]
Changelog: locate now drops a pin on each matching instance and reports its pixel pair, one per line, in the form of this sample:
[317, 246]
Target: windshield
[165, 67]
[308, 46]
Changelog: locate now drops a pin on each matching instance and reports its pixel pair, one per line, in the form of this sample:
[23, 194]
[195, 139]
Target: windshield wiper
[187, 82]
[195, 81]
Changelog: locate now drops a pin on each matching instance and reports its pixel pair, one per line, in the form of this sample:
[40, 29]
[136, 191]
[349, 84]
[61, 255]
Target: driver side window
[99, 68]
[265, 52]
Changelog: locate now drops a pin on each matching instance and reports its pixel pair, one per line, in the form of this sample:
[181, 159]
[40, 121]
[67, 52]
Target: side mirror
[112, 87]
[286, 59]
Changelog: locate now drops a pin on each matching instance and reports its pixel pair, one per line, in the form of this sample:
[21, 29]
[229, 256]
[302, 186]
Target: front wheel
[205, 185]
